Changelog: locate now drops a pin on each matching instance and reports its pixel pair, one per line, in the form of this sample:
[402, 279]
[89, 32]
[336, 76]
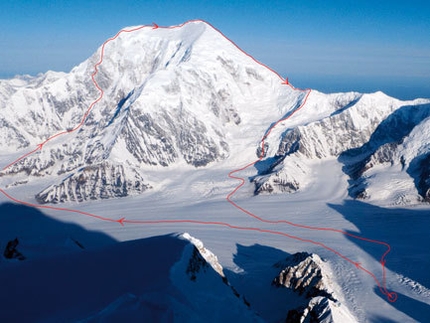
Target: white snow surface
[247, 257]
[178, 74]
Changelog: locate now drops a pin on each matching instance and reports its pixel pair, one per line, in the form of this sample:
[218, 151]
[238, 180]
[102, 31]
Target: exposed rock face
[201, 252]
[365, 132]
[101, 181]
[277, 180]
[196, 265]
[305, 276]
[317, 311]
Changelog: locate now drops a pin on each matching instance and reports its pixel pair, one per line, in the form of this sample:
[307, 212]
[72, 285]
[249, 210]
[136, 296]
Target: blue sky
[330, 45]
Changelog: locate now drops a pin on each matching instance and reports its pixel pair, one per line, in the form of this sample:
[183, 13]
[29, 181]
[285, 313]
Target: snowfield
[248, 257]
[154, 237]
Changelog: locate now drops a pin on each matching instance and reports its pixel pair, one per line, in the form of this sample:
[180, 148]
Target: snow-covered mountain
[382, 143]
[170, 113]
[188, 96]
[184, 96]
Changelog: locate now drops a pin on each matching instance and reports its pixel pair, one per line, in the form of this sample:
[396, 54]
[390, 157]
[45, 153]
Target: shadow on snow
[406, 231]
[62, 279]
[254, 283]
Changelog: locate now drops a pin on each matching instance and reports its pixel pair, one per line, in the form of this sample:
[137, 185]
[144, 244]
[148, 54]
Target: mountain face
[180, 96]
[104, 180]
[307, 275]
[372, 135]
[188, 97]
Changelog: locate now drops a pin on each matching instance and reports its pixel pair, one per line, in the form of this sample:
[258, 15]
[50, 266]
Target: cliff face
[306, 275]
[100, 181]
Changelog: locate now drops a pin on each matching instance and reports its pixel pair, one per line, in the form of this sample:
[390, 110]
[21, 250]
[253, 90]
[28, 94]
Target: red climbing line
[391, 296]
[39, 206]
[122, 221]
[64, 132]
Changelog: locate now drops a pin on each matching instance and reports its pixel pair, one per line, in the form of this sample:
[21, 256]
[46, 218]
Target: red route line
[391, 296]
[40, 146]
[59, 208]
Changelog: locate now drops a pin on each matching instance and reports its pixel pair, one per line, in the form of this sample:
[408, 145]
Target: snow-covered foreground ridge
[165, 101]
[160, 279]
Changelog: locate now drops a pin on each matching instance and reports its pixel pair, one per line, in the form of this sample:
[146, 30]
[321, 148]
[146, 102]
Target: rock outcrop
[304, 274]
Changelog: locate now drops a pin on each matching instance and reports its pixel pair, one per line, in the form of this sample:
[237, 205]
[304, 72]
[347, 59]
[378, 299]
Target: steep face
[363, 132]
[181, 95]
[89, 183]
[306, 275]
[399, 144]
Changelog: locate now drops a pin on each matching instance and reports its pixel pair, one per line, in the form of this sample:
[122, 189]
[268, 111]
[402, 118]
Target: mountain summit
[181, 96]
[188, 97]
